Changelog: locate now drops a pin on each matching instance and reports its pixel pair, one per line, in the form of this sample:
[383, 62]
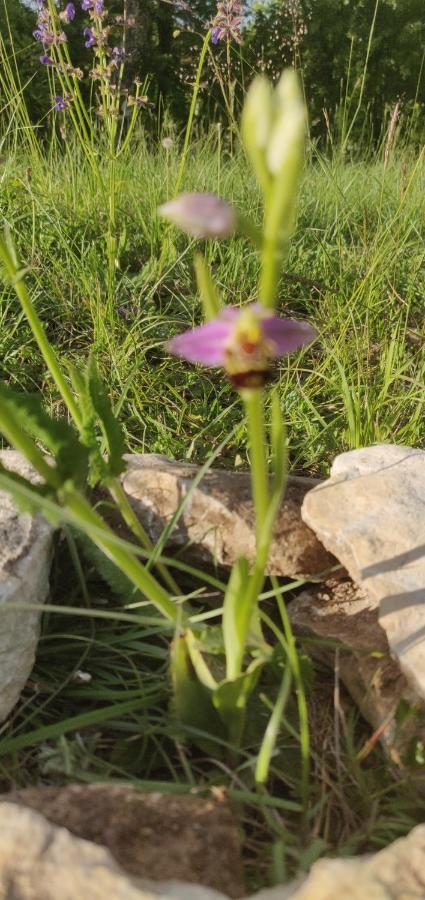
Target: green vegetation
[355, 271]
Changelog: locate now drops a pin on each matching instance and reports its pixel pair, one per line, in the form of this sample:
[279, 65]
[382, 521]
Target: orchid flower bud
[256, 123]
[200, 215]
[273, 126]
[286, 141]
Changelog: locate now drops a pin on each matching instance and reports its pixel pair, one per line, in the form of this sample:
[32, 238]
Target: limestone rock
[217, 522]
[25, 555]
[339, 611]
[39, 861]
[181, 890]
[150, 835]
[396, 873]
[371, 515]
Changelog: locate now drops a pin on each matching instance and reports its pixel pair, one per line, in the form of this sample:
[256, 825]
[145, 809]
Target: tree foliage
[329, 40]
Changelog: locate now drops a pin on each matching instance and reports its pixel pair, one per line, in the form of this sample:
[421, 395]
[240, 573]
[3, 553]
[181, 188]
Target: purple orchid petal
[204, 344]
[287, 334]
[200, 215]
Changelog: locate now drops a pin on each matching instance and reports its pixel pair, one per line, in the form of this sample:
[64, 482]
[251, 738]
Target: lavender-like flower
[201, 215]
[68, 14]
[60, 103]
[41, 34]
[227, 22]
[242, 341]
[86, 5]
[118, 56]
[47, 60]
[91, 40]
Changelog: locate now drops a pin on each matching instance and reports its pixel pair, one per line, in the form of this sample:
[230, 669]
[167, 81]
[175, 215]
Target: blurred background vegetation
[358, 59]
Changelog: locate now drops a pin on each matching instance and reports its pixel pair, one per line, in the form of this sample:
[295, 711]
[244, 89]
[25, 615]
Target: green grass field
[356, 271]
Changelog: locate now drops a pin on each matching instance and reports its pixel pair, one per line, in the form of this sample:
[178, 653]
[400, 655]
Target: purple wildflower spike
[60, 103]
[91, 40]
[47, 60]
[68, 14]
[118, 56]
[227, 22]
[242, 341]
[201, 215]
[98, 6]
[86, 5]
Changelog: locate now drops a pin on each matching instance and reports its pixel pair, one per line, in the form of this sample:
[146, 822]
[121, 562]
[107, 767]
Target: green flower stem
[119, 496]
[96, 529]
[192, 112]
[270, 262]
[17, 278]
[254, 407]
[84, 126]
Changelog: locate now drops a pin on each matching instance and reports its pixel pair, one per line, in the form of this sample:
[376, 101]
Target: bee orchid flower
[244, 342]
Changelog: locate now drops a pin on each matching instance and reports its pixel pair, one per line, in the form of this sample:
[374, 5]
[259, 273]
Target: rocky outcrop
[25, 556]
[150, 835]
[41, 861]
[215, 515]
[371, 515]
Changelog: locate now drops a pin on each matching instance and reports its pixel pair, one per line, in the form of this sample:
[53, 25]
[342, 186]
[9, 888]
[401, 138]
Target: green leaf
[96, 412]
[237, 613]
[108, 571]
[56, 435]
[88, 429]
[202, 671]
[230, 699]
[111, 428]
[211, 300]
[192, 701]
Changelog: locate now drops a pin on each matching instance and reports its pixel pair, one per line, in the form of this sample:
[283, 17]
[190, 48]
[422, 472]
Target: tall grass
[356, 270]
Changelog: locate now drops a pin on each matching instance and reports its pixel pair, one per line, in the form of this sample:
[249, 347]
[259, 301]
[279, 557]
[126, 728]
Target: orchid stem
[254, 406]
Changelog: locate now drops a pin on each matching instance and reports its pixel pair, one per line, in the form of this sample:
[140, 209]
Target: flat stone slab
[217, 523]
[152, 836]
[25, 557]
[371, 515]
